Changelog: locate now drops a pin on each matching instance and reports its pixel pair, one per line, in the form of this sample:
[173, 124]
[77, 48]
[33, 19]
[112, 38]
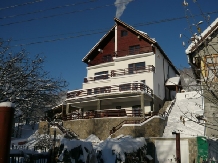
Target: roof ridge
[134, 29]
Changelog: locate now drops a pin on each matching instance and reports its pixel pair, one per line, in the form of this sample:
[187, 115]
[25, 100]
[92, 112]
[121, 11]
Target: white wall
[161, 72]
[166, 151]
[159, 75]
[122, 63]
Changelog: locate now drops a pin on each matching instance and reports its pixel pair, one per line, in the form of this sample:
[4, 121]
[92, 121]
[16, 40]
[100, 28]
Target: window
[124, 33]
[96, 91]
[136, 110]
[142, 86]
[107, 58]
[211, 67]
[105, 89]
[125, 87]
[135, 85]
[89, 92]
[136, 66]
[143, 81]
[101, 75]
[118, 107]
[134, 49]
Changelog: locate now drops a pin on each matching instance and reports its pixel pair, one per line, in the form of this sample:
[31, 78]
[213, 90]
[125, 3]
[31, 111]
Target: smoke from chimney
[121, 6]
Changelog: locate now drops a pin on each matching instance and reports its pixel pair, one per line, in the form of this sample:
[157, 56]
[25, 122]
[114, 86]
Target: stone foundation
[101, 127]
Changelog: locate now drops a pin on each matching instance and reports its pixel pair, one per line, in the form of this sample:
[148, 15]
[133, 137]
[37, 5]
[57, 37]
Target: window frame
[135, 67]
[102, 75]
[125, 87]
[212, 66]
[89, 91]
[134, 49]
[107, 58]
[123, 33]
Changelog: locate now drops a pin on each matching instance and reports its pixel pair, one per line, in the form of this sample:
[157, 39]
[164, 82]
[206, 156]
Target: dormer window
[124, 33]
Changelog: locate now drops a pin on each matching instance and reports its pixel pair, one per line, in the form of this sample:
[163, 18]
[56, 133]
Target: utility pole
[178, 152]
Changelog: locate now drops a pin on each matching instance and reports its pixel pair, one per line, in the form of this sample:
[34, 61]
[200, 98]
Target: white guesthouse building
[127, 70]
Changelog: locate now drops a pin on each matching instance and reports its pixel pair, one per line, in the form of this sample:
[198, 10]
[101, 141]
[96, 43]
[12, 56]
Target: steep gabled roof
[203, 36]
[142, 34]
[98, 43]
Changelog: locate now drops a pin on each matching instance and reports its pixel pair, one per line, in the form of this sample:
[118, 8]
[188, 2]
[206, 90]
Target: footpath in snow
[183, 115]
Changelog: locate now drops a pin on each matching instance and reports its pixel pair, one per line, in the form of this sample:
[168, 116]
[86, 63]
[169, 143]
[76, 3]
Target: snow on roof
[119, 146]
[173, 81]
[7, 104]
[205, 34]
[187, 109]
[143, 32]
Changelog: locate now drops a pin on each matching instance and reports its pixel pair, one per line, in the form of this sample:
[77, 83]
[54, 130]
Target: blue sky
[64, 35]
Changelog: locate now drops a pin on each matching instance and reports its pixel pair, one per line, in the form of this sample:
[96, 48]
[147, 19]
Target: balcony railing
[120, 72]
[120, 88]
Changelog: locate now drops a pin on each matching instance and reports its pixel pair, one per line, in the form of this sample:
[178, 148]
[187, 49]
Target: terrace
[123, 88]
[120, 72]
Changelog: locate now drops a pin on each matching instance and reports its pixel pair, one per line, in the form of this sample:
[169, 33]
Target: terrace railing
[121, 72]
[112, 89]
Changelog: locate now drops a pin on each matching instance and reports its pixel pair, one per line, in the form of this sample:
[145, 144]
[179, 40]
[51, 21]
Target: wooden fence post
[6, 119]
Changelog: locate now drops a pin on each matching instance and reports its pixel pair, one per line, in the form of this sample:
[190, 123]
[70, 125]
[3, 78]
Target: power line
[62, 34]
[60, 39]
[67, 13]
[104, 30]
[53, 8]
[23, 4]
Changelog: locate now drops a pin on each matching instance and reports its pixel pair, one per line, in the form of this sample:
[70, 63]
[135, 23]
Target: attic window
[134, 49]
[107, 58]
[124, 33]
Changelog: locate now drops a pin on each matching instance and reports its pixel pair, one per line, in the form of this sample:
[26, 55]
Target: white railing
[120, 88]
[121, 72]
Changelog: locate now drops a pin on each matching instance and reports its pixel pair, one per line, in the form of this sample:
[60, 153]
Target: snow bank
[84, 150]
[117, 147]
[92, 138]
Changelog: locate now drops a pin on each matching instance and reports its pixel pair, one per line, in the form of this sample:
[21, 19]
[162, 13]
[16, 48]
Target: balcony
[128, 88]
[121, 72]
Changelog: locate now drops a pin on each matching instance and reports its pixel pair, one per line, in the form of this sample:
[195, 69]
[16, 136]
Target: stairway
[165, 106]
[68, 134]
[163, 114]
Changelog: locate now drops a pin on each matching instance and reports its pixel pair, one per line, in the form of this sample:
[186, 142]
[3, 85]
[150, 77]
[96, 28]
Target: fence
[30, 158]
[104, 113]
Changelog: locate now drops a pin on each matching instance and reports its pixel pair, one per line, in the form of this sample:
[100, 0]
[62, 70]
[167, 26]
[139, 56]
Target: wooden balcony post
[67, 110]
[142, 104]
[98, 104]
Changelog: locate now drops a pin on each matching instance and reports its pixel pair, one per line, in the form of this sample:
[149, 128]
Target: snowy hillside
[183, 119]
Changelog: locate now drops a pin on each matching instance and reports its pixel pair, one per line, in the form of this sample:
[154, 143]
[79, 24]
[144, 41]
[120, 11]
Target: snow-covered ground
[117, 147]
[183, 119]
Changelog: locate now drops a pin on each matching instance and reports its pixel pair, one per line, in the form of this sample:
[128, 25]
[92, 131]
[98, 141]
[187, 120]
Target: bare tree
[202, 54]
[24, 82]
